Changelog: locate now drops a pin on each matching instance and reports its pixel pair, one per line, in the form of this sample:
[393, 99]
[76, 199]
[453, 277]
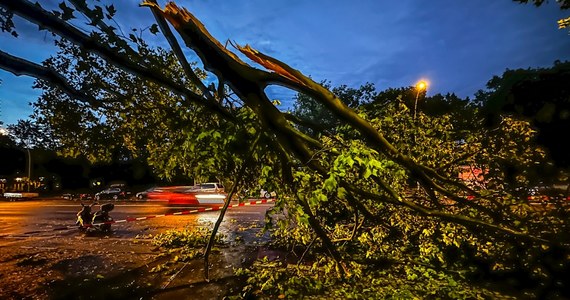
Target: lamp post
[420, 86]
[3, 132]
[29, 168]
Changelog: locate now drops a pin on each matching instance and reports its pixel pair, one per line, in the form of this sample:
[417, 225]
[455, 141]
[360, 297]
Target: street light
[29, 168]
[420, 86]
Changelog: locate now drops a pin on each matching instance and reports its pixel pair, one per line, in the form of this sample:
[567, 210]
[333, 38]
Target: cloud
[15, 95]
[457, 45]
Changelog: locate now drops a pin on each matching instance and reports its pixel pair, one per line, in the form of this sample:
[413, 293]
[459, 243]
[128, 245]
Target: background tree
[315, 114]
[541, 95]
[31, 135]
[463, 111]
[13, 158]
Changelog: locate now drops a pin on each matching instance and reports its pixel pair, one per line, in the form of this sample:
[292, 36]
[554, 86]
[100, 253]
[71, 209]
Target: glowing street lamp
[420, 86]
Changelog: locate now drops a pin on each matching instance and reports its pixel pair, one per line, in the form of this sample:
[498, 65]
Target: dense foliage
[318, 118]
[396, 248]
[541, 95]
[133, 118]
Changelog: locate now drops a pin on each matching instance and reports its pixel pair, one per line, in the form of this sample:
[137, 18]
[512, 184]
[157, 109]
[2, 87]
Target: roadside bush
[193, 237]
[320, 280]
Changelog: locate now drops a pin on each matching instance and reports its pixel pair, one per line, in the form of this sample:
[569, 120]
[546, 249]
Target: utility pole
[29, 168]
[420, 86]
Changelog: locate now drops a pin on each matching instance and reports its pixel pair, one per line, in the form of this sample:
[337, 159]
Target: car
[196, 198]
[79, 194]
[114, 193]
[164, 192]
[549, 193]
[153, 192]
[144, 194]
[186, 196]
[208, 187]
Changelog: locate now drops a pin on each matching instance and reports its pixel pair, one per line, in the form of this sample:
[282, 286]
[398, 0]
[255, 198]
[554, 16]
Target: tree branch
[43, 18]
[178, 51]
[240, 176]
[19, 67]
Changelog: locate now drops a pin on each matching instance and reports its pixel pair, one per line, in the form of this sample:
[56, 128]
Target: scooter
[102, 218]
[98, 221]
[84, 216]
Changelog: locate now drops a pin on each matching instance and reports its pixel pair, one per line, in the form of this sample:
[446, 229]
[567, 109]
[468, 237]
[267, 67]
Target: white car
[208, 187]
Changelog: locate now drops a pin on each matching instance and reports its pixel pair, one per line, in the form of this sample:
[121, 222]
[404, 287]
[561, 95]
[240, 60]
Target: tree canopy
[541, 95]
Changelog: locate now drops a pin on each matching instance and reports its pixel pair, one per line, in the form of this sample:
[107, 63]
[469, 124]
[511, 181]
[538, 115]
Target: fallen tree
[372, 195]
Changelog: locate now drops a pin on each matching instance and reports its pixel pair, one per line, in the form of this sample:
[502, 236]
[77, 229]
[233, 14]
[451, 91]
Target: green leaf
[330, 183]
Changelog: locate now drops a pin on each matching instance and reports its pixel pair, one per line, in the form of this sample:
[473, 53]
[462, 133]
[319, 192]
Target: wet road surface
[44, 256]
[46, 217]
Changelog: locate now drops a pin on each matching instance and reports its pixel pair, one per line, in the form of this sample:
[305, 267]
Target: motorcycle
[98, 221]
[102, 218]
[84, 216]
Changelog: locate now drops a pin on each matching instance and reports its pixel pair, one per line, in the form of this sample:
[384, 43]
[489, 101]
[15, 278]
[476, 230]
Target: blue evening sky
[456, 45]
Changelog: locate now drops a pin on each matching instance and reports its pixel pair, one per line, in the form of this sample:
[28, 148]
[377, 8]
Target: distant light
[18, 179]
[421, 85]
[95, 183]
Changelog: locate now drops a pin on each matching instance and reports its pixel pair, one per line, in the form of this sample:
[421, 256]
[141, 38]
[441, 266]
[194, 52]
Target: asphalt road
[43, 255]
[49, 217]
